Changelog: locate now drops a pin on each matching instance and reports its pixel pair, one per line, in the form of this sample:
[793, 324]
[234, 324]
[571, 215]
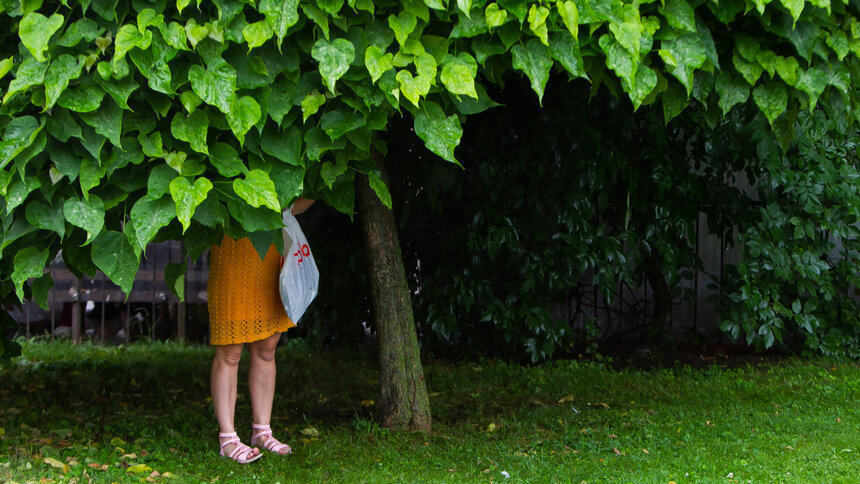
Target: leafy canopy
[128, 122]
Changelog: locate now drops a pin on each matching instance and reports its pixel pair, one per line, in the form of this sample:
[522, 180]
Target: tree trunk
[403, 401]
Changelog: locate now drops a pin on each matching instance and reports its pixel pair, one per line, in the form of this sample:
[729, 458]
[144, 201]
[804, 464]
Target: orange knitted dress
[243, 295]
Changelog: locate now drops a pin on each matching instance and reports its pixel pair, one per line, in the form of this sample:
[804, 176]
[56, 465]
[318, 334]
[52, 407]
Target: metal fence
[93, 308]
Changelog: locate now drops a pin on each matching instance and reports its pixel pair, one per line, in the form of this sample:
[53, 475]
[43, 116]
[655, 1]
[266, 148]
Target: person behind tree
[245, 307]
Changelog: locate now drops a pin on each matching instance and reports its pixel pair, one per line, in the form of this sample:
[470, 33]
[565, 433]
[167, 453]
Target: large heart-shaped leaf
[334, 59]
[441, 134]
[113, 254]
[35, 30]
[28, 262]
[86, 214]
[187, 197]
[257, 189]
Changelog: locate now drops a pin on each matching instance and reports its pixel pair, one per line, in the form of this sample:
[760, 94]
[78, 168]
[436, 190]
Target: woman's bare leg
[261, 380]
[225, 371]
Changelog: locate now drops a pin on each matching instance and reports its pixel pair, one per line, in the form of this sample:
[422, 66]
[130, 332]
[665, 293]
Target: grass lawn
[95, 413]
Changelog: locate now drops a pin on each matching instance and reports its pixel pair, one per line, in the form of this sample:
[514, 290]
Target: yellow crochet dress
[243, 295]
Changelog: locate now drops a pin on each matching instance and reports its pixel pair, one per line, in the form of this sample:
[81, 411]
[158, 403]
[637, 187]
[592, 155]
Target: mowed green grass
[126, 414]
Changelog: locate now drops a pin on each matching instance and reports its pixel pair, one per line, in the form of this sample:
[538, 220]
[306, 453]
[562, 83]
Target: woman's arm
[301, 205]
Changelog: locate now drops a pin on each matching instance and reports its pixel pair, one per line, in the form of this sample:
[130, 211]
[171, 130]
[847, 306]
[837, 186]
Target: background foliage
[128, 122]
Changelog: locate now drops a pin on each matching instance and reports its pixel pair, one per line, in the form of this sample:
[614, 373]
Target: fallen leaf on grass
[139, 469]
[491, 428]
[169, 475]
[56, 464]
[618, 452]
[599, 404]
[838, 420]
[117, 442]
[129, 456]
[613, 436]
[646, 451]
[95, 465]
[311, 432]
[566, 398]
[152, 477]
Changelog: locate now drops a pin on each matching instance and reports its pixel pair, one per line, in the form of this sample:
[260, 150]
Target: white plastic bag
[299, 280]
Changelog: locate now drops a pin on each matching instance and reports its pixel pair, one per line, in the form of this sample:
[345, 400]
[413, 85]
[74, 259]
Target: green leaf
[533, 59]
[119, 90]
[289, 182]
[28, 262]
[39, 290]
[35, 30]
[317, 143]
[337, 123]
[570, 16]
[379, 186]
[216, 85]
[107, 121]
[62, 126]
[646, 81]
[82, 99]
[537, 22]
[465, 6]
[284, 146]
[331, 171]
[674, 100]
[179, 161]
[283, 14]
[787, 68]
[731, 90]
[86, 214]
[334, 59]
[254, 219]
[771, 98]
[159, 181]
[115, 257]
[257, 33]
[627, 29]
[795, 7]
[192, 130]
[458, 74]
[495, 16]
[679, 14]
[6, 65]
[83, 29]
[750, 70]
[402, 25]
[128, 38]
[60, 72]
[226, 160]
[187, 197]
[45, 217]
[149, 215]
[244, 114]
[174, 278]
[813, 82]
[19, 134]
[318, 17]
[311, 104]
[90, 175]
[30, 73]
[564, 48]
[441, 134]
[683, 55]
[377, 62]
[257, 189]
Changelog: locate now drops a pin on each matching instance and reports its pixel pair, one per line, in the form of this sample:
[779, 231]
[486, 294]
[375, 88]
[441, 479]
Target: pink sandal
[241, 452]
[271, 444]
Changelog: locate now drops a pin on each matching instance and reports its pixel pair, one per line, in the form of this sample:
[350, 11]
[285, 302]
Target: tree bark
[402, 401]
